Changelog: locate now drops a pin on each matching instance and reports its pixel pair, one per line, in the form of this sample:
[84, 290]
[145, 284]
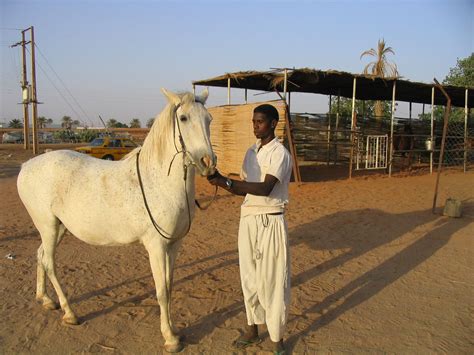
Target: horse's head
[192, 122]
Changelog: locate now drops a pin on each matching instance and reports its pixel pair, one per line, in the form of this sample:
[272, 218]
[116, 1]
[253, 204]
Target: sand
[373, 271]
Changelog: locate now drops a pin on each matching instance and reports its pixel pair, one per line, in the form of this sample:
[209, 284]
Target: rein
[183, 150]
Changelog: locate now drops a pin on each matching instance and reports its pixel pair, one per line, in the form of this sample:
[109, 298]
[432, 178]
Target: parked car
[108, 147]
[12, 137]
[17, 137]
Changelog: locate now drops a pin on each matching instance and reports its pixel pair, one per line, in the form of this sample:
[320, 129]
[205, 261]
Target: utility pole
[34, 101]
[29, 92]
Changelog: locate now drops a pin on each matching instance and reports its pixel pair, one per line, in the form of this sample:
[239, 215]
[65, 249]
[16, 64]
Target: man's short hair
[268, 110]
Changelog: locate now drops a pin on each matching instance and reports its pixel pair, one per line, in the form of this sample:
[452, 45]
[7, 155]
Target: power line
[62, 82]
[60, 93]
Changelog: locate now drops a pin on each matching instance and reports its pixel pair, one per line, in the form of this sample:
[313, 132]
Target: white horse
[147, 197]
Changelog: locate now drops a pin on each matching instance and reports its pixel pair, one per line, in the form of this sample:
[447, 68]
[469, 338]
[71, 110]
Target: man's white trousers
[265, 271]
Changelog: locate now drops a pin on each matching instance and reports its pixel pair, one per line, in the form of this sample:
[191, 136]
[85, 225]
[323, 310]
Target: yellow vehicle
[108, 147]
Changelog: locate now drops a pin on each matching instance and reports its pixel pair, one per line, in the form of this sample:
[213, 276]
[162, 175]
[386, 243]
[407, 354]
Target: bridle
[183, 151]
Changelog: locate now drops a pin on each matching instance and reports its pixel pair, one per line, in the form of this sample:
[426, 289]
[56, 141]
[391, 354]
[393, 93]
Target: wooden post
[353, 125]
[34, 97]
[228, 90]
[447, 111]
[465, 130]
[289, 103]
[329, 130]
[390, 161]
[285, 84]
[289, 134]
[432, 130]
[26, 94]
[337, 125]
[245, 95]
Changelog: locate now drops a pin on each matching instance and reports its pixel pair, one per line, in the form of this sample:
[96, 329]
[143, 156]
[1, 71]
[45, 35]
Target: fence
[326, 139]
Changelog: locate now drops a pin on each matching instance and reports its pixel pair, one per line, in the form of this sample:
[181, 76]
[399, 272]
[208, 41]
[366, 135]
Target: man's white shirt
[273, 159]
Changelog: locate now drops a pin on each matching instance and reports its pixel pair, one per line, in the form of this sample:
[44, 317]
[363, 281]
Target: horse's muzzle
[208, 165]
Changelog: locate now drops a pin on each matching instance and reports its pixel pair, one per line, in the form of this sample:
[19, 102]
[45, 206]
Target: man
[263, 234]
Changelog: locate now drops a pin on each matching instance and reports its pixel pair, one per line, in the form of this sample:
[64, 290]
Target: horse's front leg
[171, 255]
[157, 253]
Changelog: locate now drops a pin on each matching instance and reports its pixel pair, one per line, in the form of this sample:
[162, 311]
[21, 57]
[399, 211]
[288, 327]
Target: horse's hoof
[174, 348]
[70, 320]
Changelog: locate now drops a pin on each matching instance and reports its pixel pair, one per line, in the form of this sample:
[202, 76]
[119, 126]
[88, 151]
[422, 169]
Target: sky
[110, 58]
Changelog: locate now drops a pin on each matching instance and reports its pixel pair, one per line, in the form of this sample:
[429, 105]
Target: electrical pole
[29, 92]
[34, 101]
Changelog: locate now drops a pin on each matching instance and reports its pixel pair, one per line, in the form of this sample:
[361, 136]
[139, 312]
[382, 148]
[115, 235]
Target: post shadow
[381, 276]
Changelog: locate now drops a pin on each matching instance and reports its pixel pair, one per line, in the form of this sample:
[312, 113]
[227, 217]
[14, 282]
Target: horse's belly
[97, 225]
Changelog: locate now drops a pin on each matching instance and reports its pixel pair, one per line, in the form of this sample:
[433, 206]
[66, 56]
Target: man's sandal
[243, 343]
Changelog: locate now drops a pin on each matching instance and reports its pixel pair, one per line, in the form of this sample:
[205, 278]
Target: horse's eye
[183, 118]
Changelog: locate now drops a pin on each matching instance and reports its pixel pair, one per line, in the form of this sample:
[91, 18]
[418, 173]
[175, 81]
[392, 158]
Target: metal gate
[372, 153]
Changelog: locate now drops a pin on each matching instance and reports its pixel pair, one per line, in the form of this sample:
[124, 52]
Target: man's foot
[250, 337]
[279, 348]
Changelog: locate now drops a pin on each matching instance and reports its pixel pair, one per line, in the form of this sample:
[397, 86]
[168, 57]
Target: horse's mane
[161, 132]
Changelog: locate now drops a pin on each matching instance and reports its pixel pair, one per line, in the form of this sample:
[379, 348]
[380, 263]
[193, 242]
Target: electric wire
[62, 82]
[15, 57]
[59, 91]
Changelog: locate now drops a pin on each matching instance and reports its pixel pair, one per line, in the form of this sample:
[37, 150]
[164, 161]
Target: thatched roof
[332, 82]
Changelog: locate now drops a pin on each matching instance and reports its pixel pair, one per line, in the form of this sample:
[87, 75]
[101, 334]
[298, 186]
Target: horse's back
[43, 178]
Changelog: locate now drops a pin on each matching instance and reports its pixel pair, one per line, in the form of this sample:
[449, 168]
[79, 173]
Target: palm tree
[381, 68]
[43, 121]
[15, 123]
[135, 123]
[112, 123]
[150, 122]
[66, 122]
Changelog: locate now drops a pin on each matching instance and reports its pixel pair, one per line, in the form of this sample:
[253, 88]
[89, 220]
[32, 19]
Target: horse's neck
[164, 169]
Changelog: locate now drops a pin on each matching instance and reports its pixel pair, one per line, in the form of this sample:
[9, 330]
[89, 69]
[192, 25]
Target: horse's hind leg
[41, 294]
[51, 235]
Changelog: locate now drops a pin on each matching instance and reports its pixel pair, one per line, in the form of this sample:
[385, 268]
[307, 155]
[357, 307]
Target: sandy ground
[373, 271]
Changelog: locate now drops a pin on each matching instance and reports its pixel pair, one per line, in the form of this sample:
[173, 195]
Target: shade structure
[331, 82]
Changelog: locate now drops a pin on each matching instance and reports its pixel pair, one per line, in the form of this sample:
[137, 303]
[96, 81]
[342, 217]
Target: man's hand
[216, 179]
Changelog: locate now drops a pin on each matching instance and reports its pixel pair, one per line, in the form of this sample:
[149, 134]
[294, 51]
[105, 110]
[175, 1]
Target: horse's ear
[171, 96]
[203, 97]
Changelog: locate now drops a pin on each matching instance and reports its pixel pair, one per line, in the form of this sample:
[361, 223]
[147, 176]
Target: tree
[68, 123]
[381, 68]
[113, 123]
[460, 75]
[15, 123]
[150, 122]
[362, 108]
[43, 121]
[135, 123]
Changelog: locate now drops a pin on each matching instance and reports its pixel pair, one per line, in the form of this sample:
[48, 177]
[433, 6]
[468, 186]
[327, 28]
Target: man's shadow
[361, 240]
[356, 232]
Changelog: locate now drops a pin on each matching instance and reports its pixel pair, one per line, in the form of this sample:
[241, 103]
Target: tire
[108, 157]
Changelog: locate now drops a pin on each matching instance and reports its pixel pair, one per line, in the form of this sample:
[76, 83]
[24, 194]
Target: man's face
[262, 126]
